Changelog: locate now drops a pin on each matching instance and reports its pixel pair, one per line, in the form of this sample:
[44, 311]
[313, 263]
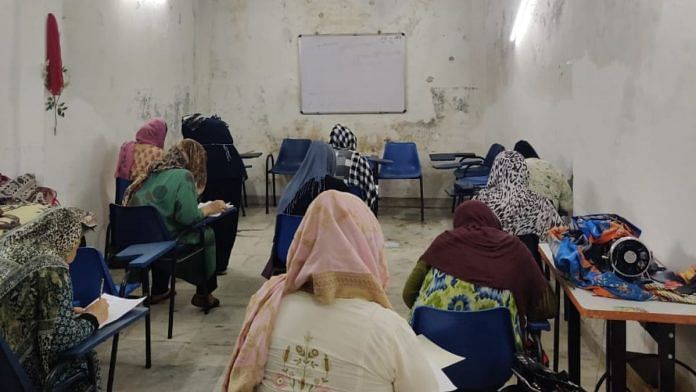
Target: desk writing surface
[592, 306]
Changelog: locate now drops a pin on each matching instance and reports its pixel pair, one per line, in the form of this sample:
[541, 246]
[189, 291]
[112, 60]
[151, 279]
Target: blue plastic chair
[144, 225]
[357, 191]
[477, 169]
[484, 338]
[13, 377]
[87, 272]
[286, 226]
[290, 157]
[406, 165]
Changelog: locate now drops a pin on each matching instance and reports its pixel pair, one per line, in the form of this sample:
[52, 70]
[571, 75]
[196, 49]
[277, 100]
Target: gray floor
[195, 358]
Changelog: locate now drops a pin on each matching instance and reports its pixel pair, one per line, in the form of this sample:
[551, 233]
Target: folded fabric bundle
[24, 189]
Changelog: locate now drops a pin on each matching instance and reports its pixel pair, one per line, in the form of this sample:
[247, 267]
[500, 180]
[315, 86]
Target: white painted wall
[247, 71]
[605, 88]
[128, 60]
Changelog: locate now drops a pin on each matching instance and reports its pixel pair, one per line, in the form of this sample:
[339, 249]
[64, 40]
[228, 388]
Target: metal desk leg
[557, 326]
[573, 343]
[664, 336]
[616, 356]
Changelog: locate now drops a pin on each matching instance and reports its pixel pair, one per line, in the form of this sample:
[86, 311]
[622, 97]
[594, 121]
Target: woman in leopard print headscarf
[37, 319]
[507, 194]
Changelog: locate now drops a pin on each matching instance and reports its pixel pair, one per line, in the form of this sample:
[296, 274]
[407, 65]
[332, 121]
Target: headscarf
[478, 251]
[319, 162]
[507, 194]
[337, 252]
[526, 149]
[342, 138]
[187, 154]
[224, 161]
[56, 232]
[152, 133]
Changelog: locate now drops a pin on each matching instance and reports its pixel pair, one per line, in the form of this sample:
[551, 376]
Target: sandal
[206, 302]
[159, 298]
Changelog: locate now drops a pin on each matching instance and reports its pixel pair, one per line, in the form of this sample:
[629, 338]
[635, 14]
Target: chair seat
[538, 325]
[478, 181]
[285, 168]
[388, 172]
[475, 171]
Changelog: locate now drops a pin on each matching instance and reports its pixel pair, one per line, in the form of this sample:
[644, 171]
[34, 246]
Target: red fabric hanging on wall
[55, 62]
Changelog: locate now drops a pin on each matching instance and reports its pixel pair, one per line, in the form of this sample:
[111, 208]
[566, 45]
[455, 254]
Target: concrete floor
[195, 358]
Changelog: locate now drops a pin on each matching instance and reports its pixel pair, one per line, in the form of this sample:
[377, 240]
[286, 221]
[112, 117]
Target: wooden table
[658, 318]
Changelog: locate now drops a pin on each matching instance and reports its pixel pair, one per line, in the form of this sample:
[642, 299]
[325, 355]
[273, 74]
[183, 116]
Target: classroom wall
[129, 60]
[605, 89]
[247, 72]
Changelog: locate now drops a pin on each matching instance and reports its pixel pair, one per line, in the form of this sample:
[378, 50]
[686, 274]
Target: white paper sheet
[118, 307]
[201, 205]
[438, 359]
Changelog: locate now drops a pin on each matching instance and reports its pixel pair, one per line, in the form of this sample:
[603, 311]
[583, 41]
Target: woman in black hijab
[226, 174]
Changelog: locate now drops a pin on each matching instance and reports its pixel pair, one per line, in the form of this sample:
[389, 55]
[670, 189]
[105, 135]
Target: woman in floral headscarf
[327, 323]
[172, 185]
[37, 319]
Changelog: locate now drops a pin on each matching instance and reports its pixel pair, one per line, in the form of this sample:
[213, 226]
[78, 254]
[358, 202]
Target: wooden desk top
[591, 306]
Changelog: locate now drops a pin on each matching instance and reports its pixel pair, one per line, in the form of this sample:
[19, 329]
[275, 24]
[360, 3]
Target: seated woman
[136, 156]
[315, 175]
[546, 179]
[521, 211]
[327, 324]
[226, 174]
[37, 319]
[172, 185]
[351, 167]
[478, 266]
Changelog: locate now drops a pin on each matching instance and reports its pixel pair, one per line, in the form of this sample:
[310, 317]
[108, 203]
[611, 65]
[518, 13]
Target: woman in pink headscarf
[327, 324]
[136, 156]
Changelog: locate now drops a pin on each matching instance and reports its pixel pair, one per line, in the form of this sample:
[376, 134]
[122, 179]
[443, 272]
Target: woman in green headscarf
[37, 319]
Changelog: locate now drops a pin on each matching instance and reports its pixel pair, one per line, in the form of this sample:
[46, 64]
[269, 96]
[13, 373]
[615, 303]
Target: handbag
[535, 377]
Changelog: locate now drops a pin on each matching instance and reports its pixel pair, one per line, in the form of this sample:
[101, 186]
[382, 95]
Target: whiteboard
[352, 73]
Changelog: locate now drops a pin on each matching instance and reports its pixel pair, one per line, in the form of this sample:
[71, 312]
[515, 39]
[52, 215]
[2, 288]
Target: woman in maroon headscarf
[136, 156]
[478, 266]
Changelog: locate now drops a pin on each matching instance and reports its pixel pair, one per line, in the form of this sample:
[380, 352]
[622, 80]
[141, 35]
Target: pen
[101, 288]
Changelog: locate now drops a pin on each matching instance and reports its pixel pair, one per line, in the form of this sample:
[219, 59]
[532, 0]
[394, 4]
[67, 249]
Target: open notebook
[118, 307]
[439, 358]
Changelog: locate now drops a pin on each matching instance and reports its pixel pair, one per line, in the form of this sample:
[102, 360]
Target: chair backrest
[493, 152]
[484, 338]
[286, 226]
[121, 185]
[292, 152]
[13, 377]
[86, 272]
[136, 225]
[404, 155]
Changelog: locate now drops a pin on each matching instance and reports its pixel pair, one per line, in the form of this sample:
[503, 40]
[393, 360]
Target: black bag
[535, 377]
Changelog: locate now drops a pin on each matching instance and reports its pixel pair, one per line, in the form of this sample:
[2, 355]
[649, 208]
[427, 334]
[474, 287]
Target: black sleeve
[91, 318]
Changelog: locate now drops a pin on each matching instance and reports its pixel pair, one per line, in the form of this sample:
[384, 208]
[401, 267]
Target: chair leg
[172, 289]
[243, 203]
[266, 191]
[454, 202]
[421, 197]
[148, 325]
[275, 203]
[112, 365]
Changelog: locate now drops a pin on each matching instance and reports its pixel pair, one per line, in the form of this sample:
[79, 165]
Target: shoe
[159, 298]
[206, 302]
[221, 272]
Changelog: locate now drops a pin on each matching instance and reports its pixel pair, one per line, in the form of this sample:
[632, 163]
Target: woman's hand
[215, 207]
[100, 310]
[78, 310]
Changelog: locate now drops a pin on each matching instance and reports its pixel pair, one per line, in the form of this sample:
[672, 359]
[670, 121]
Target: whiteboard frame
[299, 70]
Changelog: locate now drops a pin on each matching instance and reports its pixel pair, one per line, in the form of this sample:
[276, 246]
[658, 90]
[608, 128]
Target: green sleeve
[565, 202]
[186, 211]
[414, 283]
